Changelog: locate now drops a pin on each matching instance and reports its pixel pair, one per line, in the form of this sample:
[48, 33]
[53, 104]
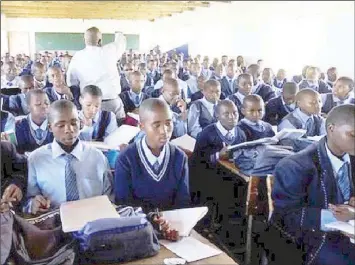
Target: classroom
[174, 132]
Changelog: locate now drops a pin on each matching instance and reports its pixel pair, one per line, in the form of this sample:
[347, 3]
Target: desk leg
[249, 238]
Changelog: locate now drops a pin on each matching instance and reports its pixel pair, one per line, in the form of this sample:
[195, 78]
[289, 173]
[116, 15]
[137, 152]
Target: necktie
[309, 126]
[343, 181]
[156, 166]
[39, 133]
[260, 127]
[231, 84]
[70, 180]
[229, 137]
[9, 83]
[136, 100]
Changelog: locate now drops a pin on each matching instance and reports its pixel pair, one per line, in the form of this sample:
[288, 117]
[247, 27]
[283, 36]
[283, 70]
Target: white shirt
[148, 153]
[240, 96]
[336, 162]
[223, 131]
[208, 105]
[192, 84]
[182, 85]
[97, 66]
[9, 84]
[43, 127]
[336, 99]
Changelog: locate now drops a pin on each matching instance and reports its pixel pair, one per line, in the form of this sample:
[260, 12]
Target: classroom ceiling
[130, 10]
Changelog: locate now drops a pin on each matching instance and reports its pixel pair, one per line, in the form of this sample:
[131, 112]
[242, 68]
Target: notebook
[122, 135]
[76, 214]
[184, 220]
[185, 142]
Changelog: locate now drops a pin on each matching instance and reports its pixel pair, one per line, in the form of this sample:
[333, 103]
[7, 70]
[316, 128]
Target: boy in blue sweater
[151, 172]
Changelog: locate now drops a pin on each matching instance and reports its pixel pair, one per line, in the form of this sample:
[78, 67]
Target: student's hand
[168, 233]
[224, 153]
[342, 212]
[12, 194]
[352, 201]
[40, 204]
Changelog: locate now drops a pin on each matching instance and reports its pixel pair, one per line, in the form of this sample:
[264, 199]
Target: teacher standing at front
[97, 65]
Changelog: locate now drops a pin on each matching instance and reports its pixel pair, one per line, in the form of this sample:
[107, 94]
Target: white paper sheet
[184, 220]
[101, 145]
[190, 249]
[122, 135]
[186, 142]
[76, 214]
[347, 227]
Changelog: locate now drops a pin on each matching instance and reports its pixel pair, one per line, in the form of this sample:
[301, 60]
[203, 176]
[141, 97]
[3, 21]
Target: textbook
[185, 142]
[292, 134]
[122, 135]
[76, 214]
[184, 220]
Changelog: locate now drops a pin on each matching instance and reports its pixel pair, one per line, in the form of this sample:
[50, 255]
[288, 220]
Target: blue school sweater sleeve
[180, 126]
[122, 183]
[183, 192]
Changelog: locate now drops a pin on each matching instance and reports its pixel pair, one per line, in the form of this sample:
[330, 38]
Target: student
[153, 173]
[277, 108]
[148, 81]
[229, 82]
[38, 71]
[306, 115]
[60, 90]
[252, 124]
[192, 83]
[311, 188]
[205, 71]
[168, 73]
[211, 143]
[241, 64]
[10, 78]
[17, 104]
[341, 94]
[127, 70]
[263, 90]
[245, 84]
[332, 76]
[171, 95]
[7, 121]
[312, 81]
[32, 131]
[267, 76]
[184, 71]
[202, 111]
[133, 98]
[217, 73]
[65, 169]
[279, 81]
[200, 84]
[224, 63]
[98, 123]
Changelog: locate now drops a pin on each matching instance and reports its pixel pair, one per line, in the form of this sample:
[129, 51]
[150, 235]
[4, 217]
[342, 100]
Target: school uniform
[103, 124]
[61, 177]
[10, 84]
[305, 184]
[238, 99]
[30, 136]
[297, 78]
[183, 74]
[198, 95]
[125, 85]
[16, 104]
[201, 114]
[182, 85]
[7, 121]
[330, 83]
[148, 84]
[314, 124]
[329, 101]
[192, 85]
[215, 77]
[142, 179]
[321, 87]
[131, 100]
[264, 91]
[53, 95]
[41, 84]
[276, 109]
[256, 130]
[279, 83]
[207, 73]
[154, 75]
[228, 85]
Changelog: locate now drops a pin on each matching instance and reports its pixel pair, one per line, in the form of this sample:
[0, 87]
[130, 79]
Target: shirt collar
[208, 104]
[58, 95]
[148, 153]
[222, 130]
[293, 105]
[133, 94]
[240, 96]
[335, 161]
[78, 150]
[34, 126]
[303, 116]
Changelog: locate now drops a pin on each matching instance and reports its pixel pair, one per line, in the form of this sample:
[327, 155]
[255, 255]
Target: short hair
[92, 36]
[142, 65]
[347, 80]
[55, 67]
[290, 87]
[168, 72]
[331, 69]
[202, 77]
[252, 99]
[312, 69]
[151, 105]
[34, 92]
[304, 92]
[136, 73]
[340, 115]
[211, 83]
[59, 106]
[171, 81]
[92, 90]
[244, 75]
[224, 102]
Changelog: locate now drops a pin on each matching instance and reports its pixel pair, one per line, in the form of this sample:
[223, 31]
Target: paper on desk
[190, 249]
[101, 145]
[76, 214]
[122, 135]
[315, 138]
[184, 220]
[347, 227]
[185, 142]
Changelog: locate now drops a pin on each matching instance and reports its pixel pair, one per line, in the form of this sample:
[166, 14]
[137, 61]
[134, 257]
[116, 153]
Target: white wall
[4, 37]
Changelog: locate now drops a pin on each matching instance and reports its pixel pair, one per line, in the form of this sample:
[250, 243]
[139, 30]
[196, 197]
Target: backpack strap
[104, 122]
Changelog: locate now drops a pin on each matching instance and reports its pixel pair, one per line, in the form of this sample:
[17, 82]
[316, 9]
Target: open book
[184, 220]
[122, 135]
[76, 214]
[185, 142]
[292, 134]
[347, 227]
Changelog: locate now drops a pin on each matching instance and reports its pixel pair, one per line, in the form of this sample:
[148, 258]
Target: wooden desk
[164, 253]
[232, 168]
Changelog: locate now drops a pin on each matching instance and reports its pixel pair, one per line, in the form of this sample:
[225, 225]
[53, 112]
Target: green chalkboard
[75, 41]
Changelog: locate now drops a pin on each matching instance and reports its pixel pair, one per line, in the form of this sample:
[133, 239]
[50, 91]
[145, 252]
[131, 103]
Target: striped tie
[39, 133]
[343, 181]
[70, 180]
[156, 166]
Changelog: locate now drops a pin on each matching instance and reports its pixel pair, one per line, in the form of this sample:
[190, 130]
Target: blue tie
[39, 133]
[156, 166]
[309, 126]
[70, 180]
[230, 137]
[343, 181]
[9, 83]
[137, 100]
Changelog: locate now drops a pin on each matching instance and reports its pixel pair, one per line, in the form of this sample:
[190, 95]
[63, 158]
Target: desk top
[231, 167]
[164, 253]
